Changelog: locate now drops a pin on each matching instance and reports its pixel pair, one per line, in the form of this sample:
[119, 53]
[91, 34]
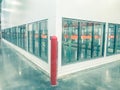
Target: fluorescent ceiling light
[14, 2]
[7, 10]
[2, 19]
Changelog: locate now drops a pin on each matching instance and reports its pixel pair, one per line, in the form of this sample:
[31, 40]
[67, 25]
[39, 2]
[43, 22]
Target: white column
[59, 32]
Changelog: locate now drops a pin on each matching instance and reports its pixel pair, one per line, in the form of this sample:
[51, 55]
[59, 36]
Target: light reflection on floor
[16, 73]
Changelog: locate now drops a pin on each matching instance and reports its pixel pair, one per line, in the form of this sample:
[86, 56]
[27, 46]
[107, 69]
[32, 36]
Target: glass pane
[118, 39]
[25, 38]
[43, 40]
[14, 35]
[36, 36]
[111, 39]
[86, 37]
[18, 32]
[98, 39]
[8, 32]
[30, 38]
[12, 32]
[69, 41]
[21, 36]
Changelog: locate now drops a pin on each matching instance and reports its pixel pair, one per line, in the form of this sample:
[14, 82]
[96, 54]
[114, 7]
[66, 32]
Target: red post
[54, 53]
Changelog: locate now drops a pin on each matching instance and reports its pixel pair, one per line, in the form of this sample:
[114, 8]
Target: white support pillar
[59, 32]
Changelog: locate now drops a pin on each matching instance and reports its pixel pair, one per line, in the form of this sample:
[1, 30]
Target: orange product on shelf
[89, 37]
[74, 37]
[66, 36]
[65, 25]
[86, 37]
[83, 37]
[111, 36]
[36, 35]
[43, 36]
[96, 36]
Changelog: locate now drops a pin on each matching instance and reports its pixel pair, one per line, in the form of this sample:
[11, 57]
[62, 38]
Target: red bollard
[54, 53]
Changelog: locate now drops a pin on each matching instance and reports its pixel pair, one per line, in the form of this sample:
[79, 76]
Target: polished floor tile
[17, 73]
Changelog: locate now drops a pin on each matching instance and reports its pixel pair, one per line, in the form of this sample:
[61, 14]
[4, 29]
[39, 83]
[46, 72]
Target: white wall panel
[26, 11]
[97, 10]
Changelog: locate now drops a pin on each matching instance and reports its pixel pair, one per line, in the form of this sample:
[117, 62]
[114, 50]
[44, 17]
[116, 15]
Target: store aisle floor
[17, 73]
